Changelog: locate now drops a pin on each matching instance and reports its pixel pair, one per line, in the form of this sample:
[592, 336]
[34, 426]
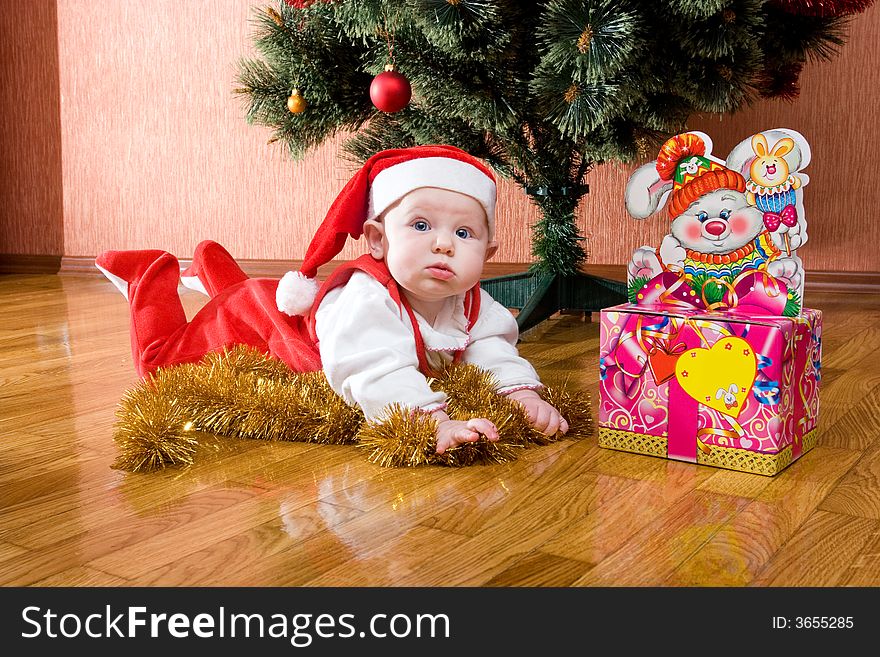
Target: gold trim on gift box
[730, 458]
[629, 441]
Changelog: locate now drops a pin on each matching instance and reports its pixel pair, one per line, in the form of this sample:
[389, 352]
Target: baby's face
[435, 243]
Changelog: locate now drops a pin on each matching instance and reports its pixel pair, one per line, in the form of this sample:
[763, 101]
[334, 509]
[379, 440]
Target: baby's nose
[443, 245]
[715, 227]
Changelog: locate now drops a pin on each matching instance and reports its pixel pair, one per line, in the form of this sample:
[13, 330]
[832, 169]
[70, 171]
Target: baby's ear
[374, 233]
[491, 248]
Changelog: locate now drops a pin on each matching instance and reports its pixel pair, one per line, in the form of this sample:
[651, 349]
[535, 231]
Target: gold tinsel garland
[166, 419]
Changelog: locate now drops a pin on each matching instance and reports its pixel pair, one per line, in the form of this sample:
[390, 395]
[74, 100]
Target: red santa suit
[358, 326]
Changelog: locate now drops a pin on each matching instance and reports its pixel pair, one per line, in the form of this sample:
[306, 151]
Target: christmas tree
[543, 91]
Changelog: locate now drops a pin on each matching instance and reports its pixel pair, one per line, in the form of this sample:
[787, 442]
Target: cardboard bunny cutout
[735, 225]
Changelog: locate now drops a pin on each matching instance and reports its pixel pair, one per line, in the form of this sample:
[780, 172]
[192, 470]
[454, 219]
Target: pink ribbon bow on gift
[788, 216]
[752, 292]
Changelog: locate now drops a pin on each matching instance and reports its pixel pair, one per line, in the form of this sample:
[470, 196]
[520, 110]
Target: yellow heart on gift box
[719, 377]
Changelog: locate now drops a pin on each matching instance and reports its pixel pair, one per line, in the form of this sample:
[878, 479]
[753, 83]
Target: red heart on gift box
[662, 362]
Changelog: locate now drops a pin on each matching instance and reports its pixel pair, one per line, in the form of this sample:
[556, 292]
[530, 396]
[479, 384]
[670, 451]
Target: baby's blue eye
[462, 233]
[725, 214]
[421, 226]
[702, 216]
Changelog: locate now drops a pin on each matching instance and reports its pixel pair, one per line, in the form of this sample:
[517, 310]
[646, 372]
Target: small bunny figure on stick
[770, 186]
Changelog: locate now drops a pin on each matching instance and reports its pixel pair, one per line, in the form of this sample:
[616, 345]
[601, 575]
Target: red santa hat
[384, 179]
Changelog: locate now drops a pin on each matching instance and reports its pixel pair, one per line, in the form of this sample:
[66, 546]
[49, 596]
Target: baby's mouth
[440, 271]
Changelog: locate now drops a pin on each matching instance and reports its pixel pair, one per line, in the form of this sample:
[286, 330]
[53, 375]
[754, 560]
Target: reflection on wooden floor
[570, 514]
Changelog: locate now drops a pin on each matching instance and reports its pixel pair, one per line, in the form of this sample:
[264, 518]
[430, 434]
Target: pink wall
[30, 130]
[156, 151]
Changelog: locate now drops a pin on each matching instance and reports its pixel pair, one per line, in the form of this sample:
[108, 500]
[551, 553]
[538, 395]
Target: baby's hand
[455, 432]
[542, 416]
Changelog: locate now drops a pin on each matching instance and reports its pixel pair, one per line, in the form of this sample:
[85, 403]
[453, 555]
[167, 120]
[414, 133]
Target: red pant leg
[156, 311]
[242, 314]
[215, 268]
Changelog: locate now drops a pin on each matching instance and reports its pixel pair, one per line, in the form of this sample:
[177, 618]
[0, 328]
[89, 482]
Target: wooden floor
[569, 514]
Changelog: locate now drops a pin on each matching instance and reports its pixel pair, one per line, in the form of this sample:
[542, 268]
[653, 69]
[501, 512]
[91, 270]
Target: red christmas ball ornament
[390, 91]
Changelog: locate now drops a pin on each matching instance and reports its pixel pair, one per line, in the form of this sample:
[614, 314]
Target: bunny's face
[769, 170]
[769, 167]
[718, 222]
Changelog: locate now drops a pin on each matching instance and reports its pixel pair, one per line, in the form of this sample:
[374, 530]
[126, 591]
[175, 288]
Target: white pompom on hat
[384, 179]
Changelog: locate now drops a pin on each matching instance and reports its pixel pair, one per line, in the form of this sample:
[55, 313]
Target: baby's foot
[212, 270]
[125, 268]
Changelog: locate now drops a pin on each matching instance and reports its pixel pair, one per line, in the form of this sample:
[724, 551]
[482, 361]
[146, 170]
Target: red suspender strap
[472, 312]
[472, 306]
[424, 367]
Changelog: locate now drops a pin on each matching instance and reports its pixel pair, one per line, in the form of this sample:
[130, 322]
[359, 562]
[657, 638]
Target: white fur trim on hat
[393, 183]
[296, 293]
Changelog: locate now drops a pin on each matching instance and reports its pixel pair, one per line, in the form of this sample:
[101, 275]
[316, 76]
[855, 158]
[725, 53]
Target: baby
[381, 324]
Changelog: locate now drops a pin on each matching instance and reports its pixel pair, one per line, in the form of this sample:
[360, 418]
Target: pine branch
[543, 91]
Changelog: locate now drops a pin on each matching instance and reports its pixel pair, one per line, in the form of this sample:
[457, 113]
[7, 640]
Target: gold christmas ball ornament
[296, 103]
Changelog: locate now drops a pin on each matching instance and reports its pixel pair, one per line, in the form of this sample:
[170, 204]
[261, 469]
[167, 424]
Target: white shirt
[368, 348]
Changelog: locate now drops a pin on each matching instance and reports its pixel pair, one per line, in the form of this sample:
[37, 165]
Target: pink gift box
[731, 388]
